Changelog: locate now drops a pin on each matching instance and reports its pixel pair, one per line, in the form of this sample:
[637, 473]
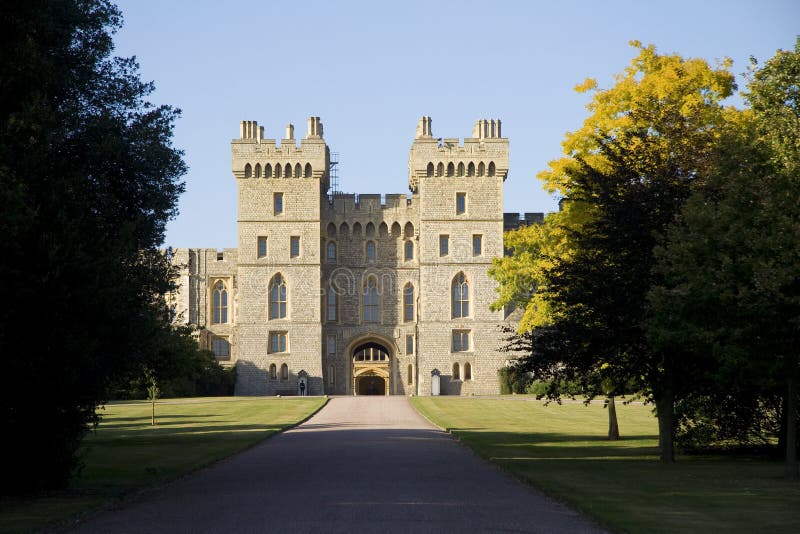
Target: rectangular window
[477, 244]
[444, 245]
[294, 246]
[331, 375]
[409, 344]
[331, 346]
[461, 203]
[460, 340]
[277, 203]
[262, 247]
[222, 348]
[277, 342]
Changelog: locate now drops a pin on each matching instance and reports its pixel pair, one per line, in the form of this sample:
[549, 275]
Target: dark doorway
[371, 385]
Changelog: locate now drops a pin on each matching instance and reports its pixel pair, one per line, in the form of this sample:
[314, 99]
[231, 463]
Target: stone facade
[344, 294]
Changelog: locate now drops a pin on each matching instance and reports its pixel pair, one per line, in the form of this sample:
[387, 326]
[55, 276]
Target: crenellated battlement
[512, 221]
[485, 154]
[349, 203]
[253, 156]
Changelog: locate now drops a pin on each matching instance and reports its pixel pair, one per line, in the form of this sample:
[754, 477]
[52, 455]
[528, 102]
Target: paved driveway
[362, 464]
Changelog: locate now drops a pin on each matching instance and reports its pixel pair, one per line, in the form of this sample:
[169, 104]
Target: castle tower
[460, 187]
[277, 281]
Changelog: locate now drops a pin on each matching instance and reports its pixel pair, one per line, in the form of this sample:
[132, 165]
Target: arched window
[277, 297]
[220, 311]
[450, 169]
[287, 171]
[267, 171]
[456, 372]
[370, 251]
[331, 251]
[331, 230]
[307, 174]
[409, 250]
[248, 171]
[357, 230]
[409, 230]
[344, 230]
[331, 304]
[273, 371]
[410, 378]
[460, 296]
[491, 168]
[298, 171]
[471, 169]
[396, 229]
[278, 170]
[467, 371]
[461, 169]
[284, 372]
[383, 230]
[258, 170]
[481, 169]
[429, 169]
[369, 230]
[408, 303]
[371, 301]
[440, 169]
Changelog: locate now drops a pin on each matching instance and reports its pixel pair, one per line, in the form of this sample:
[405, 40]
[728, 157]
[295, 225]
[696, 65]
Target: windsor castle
[331, 293]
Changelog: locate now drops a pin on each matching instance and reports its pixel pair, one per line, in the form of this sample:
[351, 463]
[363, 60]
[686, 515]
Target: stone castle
[331, 293]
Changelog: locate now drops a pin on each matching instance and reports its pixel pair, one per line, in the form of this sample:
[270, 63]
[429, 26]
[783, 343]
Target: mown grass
[127, 454]
[563, 450]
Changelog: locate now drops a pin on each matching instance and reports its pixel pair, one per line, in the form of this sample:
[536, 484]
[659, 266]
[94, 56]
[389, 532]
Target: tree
[88, 180]
[731, 286]
[623, 178]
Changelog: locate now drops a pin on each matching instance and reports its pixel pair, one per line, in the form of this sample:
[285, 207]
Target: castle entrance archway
[370, 369]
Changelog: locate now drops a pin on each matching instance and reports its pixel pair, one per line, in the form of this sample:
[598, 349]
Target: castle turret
[281, 190]
[460, 189]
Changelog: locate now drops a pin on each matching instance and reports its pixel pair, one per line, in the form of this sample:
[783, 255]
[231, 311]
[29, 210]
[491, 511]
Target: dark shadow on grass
[553, 445]
[109, 419]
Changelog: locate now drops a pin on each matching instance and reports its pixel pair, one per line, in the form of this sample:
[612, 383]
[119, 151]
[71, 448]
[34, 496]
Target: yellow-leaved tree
[654, 132]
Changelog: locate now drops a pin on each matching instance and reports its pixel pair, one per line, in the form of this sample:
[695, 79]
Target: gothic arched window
[220, 304]
[460, 296]
[408, 303]
[371, 301]
[277, 297]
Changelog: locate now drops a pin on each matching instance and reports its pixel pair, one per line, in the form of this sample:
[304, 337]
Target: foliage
[88, 180]
[512, 380]
[731, 290]
[187, 373]
[623, 178]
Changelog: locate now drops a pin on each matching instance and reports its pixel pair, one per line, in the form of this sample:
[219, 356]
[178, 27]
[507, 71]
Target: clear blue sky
[370, 69]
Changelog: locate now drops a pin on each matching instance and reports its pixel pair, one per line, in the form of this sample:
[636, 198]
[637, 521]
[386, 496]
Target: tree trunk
[613, 426]
[791, 469]
[153, 417]
[665, 407]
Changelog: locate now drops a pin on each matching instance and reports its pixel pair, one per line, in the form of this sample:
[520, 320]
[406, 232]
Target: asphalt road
[362, 464]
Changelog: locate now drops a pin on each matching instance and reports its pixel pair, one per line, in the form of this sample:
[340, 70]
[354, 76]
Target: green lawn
[127, 454]
[563, 451]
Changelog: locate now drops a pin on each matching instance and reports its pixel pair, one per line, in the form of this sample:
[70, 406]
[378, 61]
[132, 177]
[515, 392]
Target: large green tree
[623, 178]
[88, 180]
[731, 268]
